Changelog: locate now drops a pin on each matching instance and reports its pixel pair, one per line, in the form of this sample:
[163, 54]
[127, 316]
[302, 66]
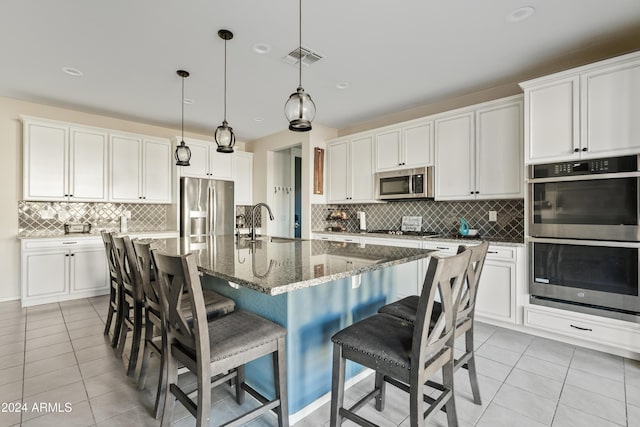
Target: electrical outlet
[493, 216]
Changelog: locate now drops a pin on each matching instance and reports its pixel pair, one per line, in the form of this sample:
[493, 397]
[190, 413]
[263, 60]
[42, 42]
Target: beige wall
[11, 172]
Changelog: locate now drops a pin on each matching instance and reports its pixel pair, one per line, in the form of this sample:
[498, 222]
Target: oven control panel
[586, 167]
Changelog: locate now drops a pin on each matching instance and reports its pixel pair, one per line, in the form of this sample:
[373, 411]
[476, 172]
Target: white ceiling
[396, 55]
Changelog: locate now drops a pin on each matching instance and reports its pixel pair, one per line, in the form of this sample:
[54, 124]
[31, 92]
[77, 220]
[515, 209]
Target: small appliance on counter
[84, 228]
[465, 230]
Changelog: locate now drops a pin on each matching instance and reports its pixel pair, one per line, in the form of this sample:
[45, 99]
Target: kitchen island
[313, 288]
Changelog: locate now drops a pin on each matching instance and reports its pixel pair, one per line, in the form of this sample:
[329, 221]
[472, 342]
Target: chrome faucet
[253, 219]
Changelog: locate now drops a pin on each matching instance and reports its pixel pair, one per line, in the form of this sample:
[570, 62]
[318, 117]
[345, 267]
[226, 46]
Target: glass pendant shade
[225, 138]
[300, 111]
[183, 154]
[224, 133]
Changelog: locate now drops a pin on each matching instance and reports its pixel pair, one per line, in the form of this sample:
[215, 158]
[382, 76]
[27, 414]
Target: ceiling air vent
[308, 56]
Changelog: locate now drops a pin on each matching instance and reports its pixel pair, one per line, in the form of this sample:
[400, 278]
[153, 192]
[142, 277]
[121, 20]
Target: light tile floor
[56, 354]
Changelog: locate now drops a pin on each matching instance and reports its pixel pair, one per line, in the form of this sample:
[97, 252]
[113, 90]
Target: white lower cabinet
[584, 327]
[62, 269]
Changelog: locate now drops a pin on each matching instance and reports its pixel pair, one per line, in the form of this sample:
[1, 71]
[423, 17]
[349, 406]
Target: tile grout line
[75, 356]
[564, 381]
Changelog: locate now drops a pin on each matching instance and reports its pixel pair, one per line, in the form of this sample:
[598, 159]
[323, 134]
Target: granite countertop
[440, 238]
[278, 265]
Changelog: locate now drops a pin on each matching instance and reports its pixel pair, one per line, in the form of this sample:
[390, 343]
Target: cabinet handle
[493, 252]
[580, 328]
[477, 192]
[471, 192]
[584, 149]
[66, 254]
[440, 247]
[69, 243]
[72, 254]
[575, 150]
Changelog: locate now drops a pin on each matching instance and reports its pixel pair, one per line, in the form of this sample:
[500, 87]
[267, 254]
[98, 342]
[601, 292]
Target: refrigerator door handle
[213, 210]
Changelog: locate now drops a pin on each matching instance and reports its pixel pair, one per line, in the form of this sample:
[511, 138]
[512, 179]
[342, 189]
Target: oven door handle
[585, 177]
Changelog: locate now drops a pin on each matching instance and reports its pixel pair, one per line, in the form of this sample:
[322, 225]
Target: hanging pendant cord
[300, 44]
[182, 110]
[225, 80]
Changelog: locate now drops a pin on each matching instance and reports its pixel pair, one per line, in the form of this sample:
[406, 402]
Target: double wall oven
[584, 225]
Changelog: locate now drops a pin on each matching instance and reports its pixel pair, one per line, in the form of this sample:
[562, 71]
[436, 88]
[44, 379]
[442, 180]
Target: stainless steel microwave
[416, 183]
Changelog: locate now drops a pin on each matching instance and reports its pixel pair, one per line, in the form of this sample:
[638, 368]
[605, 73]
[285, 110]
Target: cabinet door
[418, 145]
[496, 291]
[89, 270]
[499, 165]
[337, 181]
[243, 182]
[361, 168]
[199, 163]
[45, 274]
[156, 169]
[611, 108]
[454, 137]
[126, 152]
[552, 121]
[88, 165]
[45, 161]
[388, 150]
[220, 164]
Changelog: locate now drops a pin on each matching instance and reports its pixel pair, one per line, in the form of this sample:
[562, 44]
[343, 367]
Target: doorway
[287, 196]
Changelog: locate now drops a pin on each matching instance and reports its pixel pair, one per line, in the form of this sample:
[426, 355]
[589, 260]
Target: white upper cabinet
[587, 112]
[479, 152]
[206, 162]
[140, 169]
[64, 162]
[243, 178]
[405, 146]
[350, 170]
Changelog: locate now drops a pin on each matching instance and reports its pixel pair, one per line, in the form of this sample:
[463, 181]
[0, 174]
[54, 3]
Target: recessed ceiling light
[189, 101]
[343, 85]
[258, 119]
[520, 14]
[261, 48]
[72, 71]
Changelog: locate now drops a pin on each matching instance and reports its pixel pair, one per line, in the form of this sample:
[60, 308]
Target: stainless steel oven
[591, 199]
[586, 275]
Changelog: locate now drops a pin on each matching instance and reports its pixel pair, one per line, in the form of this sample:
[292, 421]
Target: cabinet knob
[477, 192]
[584, 149]
[575, 150]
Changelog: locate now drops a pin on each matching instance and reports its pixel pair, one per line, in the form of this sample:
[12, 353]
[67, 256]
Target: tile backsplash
[48, 218]
[439, 216]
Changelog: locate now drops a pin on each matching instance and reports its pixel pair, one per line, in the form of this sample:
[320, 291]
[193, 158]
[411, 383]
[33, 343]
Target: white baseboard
[6, 299]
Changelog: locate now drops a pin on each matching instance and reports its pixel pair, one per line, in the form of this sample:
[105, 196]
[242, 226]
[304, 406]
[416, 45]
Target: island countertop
[274, 265]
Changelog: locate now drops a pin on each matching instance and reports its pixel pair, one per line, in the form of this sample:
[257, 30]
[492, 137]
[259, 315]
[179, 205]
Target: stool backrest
[467, 303]
[147, 270]
[125, 258]
[114, 270]
[445, 276]
[177, 279]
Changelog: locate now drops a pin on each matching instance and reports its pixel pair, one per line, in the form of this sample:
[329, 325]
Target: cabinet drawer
[606, 332]
[501, 253]
[68, 243]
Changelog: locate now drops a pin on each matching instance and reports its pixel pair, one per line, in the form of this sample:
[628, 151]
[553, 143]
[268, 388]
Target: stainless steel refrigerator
[206, 207]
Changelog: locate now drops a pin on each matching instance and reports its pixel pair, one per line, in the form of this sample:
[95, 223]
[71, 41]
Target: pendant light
[300, 109]
[224, 133]
[183, 153]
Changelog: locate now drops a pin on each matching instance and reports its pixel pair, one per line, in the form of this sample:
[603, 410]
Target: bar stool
[132, 300]
[405, 354]
[216, 305]
[114, 293]
[406, 309]
[214, 350]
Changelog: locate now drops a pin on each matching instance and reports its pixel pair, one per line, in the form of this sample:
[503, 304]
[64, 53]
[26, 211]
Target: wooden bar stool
[405, 354]
[114, 293]
[406, 309]
[214, 350]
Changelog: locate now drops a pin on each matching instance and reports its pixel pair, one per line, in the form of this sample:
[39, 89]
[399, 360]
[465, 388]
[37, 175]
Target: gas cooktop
[407, 233]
